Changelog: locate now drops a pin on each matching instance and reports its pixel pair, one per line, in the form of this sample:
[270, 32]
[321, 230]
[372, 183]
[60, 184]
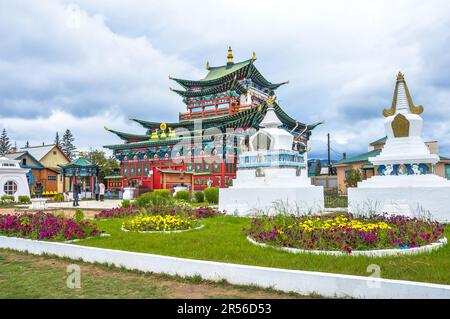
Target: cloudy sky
[87, 64]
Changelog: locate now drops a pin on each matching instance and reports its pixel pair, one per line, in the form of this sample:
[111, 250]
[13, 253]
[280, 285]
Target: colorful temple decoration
[231, 100]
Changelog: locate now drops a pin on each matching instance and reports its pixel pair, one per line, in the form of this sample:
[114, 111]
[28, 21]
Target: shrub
[152, 199]
[199, 197]
[212, 195]
[183, 195]
[205, 212]
[79, 216]
[352, 177]
[45, 226]
[8, 199]
[24, 199]
[58, 198]
[117, 213]
[126, 203]
[162, 192]
[159, 223]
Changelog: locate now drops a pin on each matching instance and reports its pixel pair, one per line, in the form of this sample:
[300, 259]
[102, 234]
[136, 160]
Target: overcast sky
[87, 64]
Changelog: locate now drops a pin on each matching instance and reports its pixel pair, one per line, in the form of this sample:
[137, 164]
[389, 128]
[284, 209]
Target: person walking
[101, 187]
[76, 193]
[96, 190]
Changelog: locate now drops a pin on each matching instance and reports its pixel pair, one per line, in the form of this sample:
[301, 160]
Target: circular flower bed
[46, 226]
[159, 223]
[344, 232]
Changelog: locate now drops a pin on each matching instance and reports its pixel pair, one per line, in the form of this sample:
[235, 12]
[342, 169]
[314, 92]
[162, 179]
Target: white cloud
[340, 57]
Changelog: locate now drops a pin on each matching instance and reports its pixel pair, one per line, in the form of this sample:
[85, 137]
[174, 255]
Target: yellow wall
[52, 159]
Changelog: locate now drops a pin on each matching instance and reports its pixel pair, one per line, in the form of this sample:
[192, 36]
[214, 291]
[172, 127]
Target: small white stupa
[13, 179]
[406, 182]
[271, 172]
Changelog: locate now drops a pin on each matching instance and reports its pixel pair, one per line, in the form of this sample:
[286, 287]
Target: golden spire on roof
[254, 56]
[230, 55]
[207, 65]
[401, 98]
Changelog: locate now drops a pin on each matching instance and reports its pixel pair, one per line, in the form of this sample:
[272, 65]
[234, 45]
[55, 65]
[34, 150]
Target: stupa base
[413, 196]
[250, 201]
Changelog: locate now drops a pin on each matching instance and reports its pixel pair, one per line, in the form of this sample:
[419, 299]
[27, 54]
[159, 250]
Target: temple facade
[222, 110]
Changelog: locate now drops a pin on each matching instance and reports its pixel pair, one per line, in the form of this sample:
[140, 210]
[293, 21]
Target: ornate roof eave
[414, 109]
[227, 86]
[126, 136]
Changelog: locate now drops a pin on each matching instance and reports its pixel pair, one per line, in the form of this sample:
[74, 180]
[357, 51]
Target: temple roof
[225, 73]
[248, 118]
[226, 86]
[127, 136]
[80, 162]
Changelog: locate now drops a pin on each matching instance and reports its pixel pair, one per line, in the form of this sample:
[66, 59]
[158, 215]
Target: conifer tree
[57, 140]
[5, 145]
[67, 145]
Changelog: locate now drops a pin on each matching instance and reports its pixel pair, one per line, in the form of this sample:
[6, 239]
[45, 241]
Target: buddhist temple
[231, 100]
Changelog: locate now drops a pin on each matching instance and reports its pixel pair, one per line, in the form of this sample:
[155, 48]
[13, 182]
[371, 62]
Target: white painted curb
[368, 253]
[303, 282]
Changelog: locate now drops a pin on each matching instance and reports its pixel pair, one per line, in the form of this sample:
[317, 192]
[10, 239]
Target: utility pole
[329, 155]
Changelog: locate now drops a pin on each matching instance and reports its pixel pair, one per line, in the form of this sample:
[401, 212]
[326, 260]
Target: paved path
[92, 204]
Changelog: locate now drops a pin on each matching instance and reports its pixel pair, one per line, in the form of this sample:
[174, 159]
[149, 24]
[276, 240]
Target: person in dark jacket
[76, 194]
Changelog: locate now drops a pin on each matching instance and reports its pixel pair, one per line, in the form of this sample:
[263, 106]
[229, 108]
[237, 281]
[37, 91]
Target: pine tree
[67, 144]
[57, 140]
[5, 145]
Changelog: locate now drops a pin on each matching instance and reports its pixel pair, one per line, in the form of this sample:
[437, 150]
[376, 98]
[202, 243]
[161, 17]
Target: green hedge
[24, 199]
[183, 195]
[199, 197]
[152, 199]
[162, 193]
[212, 195]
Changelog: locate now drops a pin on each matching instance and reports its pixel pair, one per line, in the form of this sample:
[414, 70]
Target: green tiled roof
[221, 74]
[230, 85]
[359, 158]
[379, 141]
[126, 136]
[79, 162]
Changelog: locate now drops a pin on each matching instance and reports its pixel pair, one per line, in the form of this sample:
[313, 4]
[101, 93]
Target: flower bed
[118, 212]
[343, 232]
[46, 226]
[160, 223]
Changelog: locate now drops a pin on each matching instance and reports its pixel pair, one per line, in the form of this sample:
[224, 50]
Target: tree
[5, 145]
[106, 164]
[352, 177]
[57, 140]
[67, 145]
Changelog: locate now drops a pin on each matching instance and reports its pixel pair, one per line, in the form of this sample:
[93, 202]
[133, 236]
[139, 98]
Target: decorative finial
[271, 100]
[106, 129]
[170, 78]
[130, 118]
[207, 65]
[401, 85]
[254, 56]
[170, 88]
[230, 55]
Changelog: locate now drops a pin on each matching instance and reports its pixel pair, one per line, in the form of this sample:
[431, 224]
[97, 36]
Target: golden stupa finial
[230, 55]
[412, 108]
[254, 56]
[207, 65]
[271, 100]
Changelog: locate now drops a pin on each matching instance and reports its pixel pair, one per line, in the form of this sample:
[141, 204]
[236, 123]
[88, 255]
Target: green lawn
[28, 276]
[223, 240]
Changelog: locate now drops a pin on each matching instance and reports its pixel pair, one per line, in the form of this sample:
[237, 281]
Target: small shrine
[271, 173]
[80, 171]
[13, 179]
[406, 182]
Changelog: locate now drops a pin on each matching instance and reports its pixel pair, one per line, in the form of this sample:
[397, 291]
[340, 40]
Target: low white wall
[245, 201]
[435, 200]
[304, 282]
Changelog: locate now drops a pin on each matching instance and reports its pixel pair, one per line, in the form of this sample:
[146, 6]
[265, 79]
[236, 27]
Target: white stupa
[13, 179]
[271, 173]
[406, 182]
